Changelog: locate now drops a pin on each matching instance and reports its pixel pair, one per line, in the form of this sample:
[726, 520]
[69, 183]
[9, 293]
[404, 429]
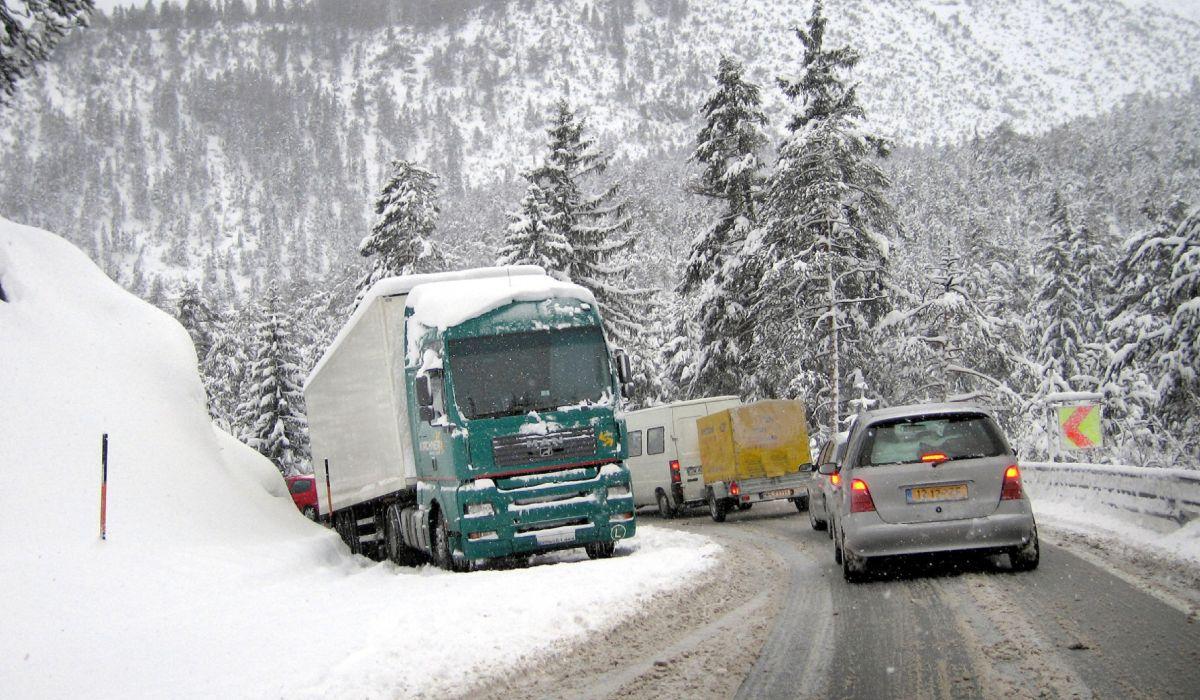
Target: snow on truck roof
[444, 299]
[445, 304]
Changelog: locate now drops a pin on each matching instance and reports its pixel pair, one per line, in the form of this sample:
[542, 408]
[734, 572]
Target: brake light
[734, 489]
[1011, 491]
[934, 457]
[860, 497]
[674, 471]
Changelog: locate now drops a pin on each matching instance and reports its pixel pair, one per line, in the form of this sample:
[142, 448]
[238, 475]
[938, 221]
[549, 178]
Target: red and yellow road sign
[1079, 427]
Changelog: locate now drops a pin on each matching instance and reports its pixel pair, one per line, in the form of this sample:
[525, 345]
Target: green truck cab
[469, 416]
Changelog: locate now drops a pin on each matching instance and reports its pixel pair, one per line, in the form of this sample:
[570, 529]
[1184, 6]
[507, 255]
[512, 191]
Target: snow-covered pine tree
[1154, 372]
[822, 247]
[1066, 320]
[532, 238]
[31, 31]
[592, 225]
[715, 282]
[407, 212]
[224, 368]
[274, 404]
[196, 317]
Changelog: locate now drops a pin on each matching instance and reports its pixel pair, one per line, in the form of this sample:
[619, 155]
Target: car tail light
[734, 489]
[1011, 491]
[860, 497]
[674, 471]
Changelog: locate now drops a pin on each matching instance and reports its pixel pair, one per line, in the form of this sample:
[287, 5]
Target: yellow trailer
[754, 452]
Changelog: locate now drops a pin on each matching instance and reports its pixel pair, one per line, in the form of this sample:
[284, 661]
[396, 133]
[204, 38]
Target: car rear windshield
[956, 435]
[301, 485]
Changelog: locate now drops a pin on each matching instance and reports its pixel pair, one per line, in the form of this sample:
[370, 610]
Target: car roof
[921, 409]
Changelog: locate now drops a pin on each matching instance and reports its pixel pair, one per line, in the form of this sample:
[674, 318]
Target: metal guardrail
[1171, 494]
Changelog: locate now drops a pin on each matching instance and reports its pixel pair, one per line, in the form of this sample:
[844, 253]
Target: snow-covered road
[1082, 625]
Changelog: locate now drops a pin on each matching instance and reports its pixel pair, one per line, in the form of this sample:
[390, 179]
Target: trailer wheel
[600, 550]
[347, 529]
[397, 551]
[664, 506]
[745, 506]
[442, 554]
[801, 503]
[716, 508]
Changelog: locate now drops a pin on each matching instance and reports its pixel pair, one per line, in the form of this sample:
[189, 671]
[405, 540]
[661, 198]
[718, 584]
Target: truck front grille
[523, 450]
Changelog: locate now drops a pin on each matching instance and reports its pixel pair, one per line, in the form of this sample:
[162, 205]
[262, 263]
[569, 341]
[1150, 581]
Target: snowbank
[211, 584]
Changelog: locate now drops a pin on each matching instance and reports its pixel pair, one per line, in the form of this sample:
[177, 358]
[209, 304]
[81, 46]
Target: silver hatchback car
[930, 478]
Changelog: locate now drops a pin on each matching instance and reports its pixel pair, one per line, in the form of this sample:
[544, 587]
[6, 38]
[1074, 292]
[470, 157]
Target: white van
[664, 453]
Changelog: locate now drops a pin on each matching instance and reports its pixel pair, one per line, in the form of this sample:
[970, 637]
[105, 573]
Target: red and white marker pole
[104, 487]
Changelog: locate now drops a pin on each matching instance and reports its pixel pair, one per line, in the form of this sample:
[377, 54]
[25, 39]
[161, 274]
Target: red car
[304, 492]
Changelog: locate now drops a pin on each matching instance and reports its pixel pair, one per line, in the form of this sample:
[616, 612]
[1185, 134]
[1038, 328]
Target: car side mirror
[828, 469]
[424, 394]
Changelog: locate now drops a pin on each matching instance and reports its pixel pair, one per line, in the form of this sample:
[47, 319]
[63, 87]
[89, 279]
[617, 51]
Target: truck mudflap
[790, 486]
[545, 511]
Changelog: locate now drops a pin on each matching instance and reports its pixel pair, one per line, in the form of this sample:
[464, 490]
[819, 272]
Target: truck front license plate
[777, 493]
[554, 537]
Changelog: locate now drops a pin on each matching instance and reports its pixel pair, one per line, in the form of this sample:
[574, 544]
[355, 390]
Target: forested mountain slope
[216, 145]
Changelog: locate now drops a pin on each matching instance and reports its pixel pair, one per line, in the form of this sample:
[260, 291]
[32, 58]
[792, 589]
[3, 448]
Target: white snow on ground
[211, 584]
[1150, 534]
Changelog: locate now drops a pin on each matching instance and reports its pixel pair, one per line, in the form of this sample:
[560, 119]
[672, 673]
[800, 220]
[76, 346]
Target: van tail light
[674, 471]
[1011, 491]
[860, 497]
[734, 489]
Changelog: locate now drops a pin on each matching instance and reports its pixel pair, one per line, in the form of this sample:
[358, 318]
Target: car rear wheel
[854, 568]
[664, 506]
[815, 522]
[716, 508]
[1026, 558]
[310, 512]
[837, 549]
[600, 550]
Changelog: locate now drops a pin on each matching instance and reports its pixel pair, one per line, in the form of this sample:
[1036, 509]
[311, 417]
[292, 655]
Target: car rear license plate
[555, 537]
[947, 492]
[777, 493]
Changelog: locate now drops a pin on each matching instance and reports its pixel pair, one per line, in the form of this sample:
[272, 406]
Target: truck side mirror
[424, 394]
[624, 373]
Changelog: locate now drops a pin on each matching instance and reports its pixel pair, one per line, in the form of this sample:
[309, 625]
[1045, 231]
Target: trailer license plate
[777, 493]
[554, 537]
[949, 492]
[693, 471]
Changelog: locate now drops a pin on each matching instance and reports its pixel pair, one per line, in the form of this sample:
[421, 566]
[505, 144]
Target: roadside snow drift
[210, 583]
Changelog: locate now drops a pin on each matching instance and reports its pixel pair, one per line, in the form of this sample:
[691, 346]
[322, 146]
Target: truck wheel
[716, 508]
[397, 551]
[745, 506]
[443, 557]
[664, 506]
[600, 550]
[347, 529]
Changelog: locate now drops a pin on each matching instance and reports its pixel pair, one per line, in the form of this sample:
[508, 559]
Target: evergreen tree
[715, 280]
[196, 318]
[223, 369]
[31, 30]
[822, 248]
[1065, 307]
[1154, 372]
[406, 216]
[274, 405]
[532, 238]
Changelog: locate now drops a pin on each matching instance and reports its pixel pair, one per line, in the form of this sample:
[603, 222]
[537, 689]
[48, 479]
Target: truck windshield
[504, 375]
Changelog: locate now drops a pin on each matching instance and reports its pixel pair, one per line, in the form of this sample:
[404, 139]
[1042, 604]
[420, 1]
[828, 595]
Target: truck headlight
[619, 491]
[480, 509]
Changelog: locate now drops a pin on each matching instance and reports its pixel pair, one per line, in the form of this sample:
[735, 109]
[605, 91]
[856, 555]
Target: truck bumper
[545, 512]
